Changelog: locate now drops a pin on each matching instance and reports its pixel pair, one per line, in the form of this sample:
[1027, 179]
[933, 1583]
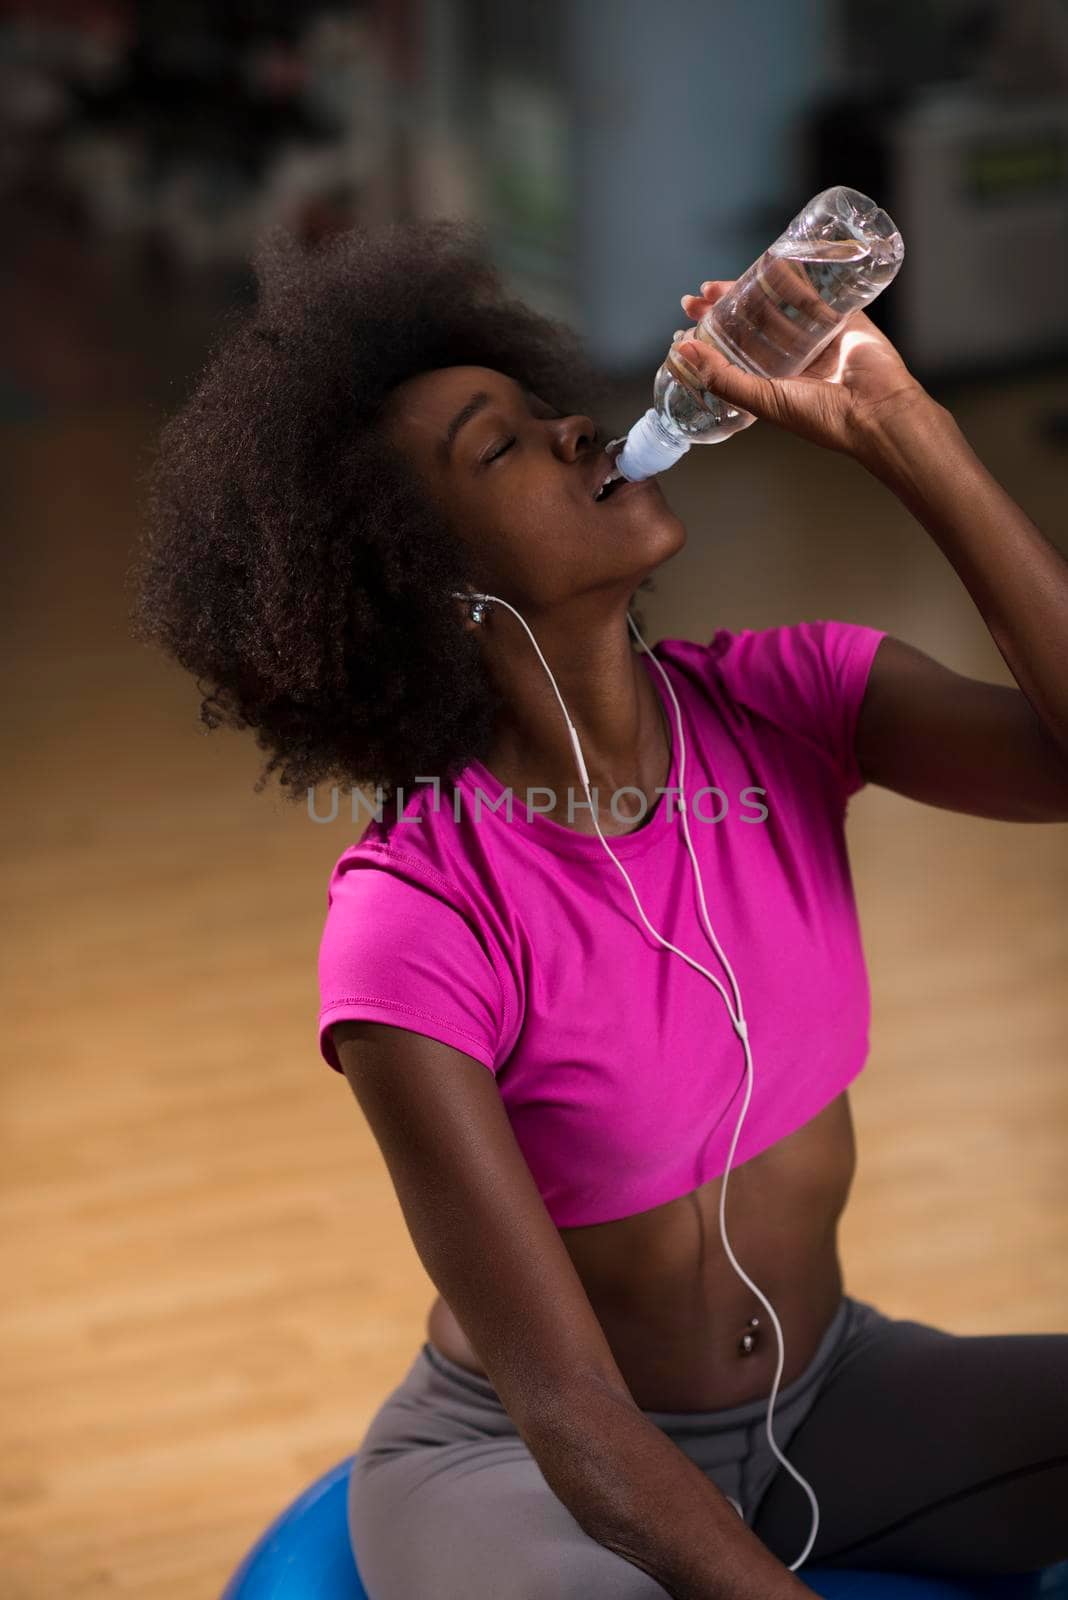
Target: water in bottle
[836, 256]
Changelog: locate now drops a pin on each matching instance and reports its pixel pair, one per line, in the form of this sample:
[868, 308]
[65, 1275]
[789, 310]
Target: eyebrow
[478, 402]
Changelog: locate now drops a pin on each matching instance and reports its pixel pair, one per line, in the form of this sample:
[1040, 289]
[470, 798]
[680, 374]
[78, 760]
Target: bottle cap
[647, 450]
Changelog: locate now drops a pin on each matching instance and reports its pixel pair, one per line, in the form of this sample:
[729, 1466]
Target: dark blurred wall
[618, 153]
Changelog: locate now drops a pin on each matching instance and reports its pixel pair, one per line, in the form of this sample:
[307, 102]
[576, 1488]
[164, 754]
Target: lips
[628, 487]
[603, 470]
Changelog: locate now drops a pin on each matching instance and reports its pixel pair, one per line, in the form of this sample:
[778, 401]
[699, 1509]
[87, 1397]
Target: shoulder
[792, 651]
[410, 838]
[807, 659]
[397, 901]
[372, 868]
[400, 943]
[807, 679]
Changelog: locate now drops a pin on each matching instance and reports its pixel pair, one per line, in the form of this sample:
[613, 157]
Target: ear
[466, 604]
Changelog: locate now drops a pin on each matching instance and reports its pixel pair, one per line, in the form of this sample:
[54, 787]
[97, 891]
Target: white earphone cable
[738, 1022]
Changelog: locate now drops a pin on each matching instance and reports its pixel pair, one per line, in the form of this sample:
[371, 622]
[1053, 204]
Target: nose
[583, 433]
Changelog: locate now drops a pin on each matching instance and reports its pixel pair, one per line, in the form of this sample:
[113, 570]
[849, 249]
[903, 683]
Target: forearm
[633, 1490]
[1017, 578]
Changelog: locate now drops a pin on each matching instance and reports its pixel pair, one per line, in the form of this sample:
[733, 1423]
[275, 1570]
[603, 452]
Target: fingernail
[689, 350]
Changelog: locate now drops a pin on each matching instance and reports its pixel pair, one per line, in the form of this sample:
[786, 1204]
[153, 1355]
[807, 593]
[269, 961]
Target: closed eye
[500, 452]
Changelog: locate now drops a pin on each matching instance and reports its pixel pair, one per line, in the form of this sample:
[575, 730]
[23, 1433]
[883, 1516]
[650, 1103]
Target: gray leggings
[926, 1450]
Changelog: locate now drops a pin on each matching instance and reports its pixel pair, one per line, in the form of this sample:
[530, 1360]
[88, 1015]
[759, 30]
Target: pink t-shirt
[518, 942]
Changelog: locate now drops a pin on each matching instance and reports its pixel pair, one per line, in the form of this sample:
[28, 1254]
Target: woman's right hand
[856, 379]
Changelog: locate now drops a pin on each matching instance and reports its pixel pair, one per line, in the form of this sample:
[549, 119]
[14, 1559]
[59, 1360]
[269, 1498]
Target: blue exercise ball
[305, 1554]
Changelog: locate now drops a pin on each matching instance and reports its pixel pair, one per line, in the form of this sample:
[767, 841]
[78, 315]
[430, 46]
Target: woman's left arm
[928, 732]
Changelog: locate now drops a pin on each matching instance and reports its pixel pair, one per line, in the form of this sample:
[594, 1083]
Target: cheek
[546, 534]
[527, 551]
[537, 543]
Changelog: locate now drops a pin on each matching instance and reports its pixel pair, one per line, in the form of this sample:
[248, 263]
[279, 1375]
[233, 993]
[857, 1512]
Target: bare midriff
[676, 1315]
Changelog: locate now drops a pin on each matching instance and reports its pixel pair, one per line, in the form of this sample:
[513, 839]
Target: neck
[610, 698]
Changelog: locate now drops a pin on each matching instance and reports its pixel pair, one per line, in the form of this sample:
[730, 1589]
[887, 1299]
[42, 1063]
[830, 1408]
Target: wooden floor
[210, 1287]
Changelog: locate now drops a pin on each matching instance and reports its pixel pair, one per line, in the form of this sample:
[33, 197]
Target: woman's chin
[644, 538]
[664, 532]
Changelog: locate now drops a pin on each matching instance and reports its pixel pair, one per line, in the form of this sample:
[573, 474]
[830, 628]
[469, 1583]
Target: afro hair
[288, 560]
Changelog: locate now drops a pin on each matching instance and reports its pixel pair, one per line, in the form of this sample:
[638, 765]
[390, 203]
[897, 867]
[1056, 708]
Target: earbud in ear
[480, 607]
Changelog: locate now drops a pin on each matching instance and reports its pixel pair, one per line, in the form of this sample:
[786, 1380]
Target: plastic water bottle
[841, 248]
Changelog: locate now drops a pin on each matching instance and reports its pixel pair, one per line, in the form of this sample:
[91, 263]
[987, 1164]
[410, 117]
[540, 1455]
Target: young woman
[556, 1093]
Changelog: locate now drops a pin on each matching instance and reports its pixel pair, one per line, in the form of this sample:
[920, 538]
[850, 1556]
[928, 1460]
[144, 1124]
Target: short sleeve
[808, 678]
[398, 950]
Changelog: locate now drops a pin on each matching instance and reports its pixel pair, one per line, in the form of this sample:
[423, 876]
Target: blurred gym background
[210, 1285]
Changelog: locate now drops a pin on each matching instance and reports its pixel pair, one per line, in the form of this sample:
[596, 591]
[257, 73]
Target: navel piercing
[749, 1341]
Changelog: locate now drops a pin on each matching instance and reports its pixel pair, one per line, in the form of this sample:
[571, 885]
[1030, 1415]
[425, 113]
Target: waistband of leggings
[678, 1421]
